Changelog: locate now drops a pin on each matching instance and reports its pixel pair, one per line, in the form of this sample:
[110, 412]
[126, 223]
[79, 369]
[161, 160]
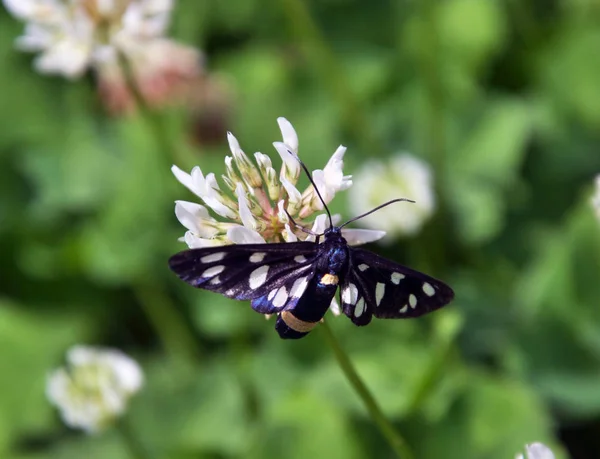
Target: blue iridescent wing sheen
[245, 271]
[375, 286]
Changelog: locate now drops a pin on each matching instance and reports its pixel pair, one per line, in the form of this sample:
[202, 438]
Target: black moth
[298, 280]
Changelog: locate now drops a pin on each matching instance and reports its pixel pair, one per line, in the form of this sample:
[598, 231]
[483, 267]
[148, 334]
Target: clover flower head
[536, 451]
[401, 176]
[75, 35]
[259, 205]
[94, 388]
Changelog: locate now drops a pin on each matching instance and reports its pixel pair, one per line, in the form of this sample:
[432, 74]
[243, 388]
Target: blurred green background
[501, 97]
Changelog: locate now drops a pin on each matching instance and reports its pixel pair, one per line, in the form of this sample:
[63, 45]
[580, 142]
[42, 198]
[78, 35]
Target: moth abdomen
[298, 321]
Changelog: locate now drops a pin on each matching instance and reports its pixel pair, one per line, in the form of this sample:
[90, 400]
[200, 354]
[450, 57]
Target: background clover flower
[259, 202]
[73, 36]
[536, 451]
[94, 388]
[403, 176]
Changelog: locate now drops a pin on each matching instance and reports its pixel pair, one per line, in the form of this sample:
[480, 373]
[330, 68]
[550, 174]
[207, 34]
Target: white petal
[293, 194]
[65, 57]
[212, 198]
[243, 235]
[290, 138]
[318, 177]
[205, 188]
[184, 178]
[194, 217]
[195, 242]
[281, 214]
[361, 236]
[538, 451]
[289, 235]
[320, 224]
[25, 9]
[246, 216]
[234, 145]
[289, 160]
[263, 160]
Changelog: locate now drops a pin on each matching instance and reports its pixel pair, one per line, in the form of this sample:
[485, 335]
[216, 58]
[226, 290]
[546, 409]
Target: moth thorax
[337, 258]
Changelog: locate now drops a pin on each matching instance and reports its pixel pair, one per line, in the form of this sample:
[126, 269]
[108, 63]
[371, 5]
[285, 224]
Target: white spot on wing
[298, 287]
[271, 294]
[428, 289]
[350, 294]
[412, 300]
[397, 277]
[215, 280]
[213, 271]
[258, 276]
[212, 257]
[299, 258]
[363, 267]
[379, 292]
[404, 309]
[281, 297]
[257, 257]
[360, 308]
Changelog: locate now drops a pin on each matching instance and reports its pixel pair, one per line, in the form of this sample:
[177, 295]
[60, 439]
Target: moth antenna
[376, 209]
[314, 186]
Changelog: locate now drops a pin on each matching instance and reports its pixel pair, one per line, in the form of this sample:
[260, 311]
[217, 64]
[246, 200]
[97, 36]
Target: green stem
[132, 444]
[331, 71]
[431, 71]
[168, 323]
[446, 330]
[155, 122]
[395, 440]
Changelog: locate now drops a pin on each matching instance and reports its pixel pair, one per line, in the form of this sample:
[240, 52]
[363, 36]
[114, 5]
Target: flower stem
[321, 56]
[168, 322]
[132, 444]
[395, 440]
[153, 119]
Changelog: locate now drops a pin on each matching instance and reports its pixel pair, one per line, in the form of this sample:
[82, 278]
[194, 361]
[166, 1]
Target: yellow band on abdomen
[296, 324]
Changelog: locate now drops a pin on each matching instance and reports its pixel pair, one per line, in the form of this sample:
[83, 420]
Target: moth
[297, 281]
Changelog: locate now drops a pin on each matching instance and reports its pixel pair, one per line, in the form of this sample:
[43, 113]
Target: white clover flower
[94, 388]
[73, 36]
[260, 205]
[596, 198]
[402, 176]
[536, 451]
